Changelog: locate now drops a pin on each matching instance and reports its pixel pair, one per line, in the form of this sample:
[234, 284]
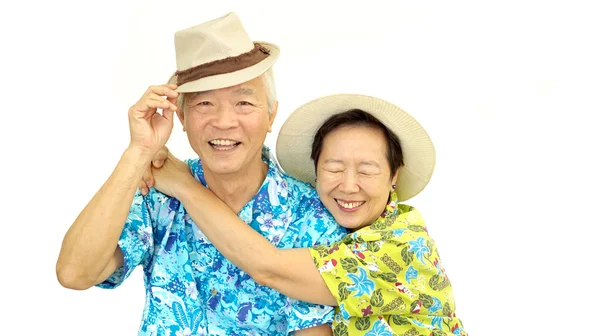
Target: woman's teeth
[349, 205]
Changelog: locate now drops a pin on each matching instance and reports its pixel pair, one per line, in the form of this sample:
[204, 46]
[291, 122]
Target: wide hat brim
[294, 142]
[233, 78]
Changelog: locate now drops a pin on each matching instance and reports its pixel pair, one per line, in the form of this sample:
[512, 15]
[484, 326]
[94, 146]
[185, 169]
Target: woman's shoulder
[390, 226]
[406, 215]
[391, 235]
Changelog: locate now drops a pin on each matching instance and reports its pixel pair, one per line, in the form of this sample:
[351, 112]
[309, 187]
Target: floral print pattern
[388, 279]
[191, 289]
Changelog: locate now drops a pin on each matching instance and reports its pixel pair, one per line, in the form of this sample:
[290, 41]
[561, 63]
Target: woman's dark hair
[356, 117]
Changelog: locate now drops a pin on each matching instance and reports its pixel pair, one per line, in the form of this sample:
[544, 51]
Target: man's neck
[238, 189]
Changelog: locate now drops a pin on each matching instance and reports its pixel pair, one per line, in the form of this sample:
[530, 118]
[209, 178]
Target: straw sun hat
[294, 142]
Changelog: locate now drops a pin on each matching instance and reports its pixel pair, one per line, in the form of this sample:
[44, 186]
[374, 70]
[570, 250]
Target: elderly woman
[385, 276]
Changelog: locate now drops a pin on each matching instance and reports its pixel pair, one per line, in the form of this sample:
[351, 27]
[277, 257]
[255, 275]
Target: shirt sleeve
[397, 274]
[136, 241]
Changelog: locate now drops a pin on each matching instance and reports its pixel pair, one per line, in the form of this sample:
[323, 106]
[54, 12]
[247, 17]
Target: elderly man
[223, 94]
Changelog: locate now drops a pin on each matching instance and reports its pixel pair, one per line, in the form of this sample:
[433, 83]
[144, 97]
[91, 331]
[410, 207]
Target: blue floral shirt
[191, 289]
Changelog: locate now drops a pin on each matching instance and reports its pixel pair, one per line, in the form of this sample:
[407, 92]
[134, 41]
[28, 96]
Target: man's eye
[244, 103]
[205, 103]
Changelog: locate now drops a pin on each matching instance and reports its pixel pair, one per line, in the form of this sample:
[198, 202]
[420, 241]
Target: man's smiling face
[227, 127]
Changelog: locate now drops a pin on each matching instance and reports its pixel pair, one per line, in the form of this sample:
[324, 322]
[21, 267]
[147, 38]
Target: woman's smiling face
[353, 175]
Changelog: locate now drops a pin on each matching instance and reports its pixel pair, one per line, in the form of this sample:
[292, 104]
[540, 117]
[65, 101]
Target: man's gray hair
[268, 79]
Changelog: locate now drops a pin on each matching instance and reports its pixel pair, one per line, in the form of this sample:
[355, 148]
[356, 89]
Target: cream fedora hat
[294, 142]
[218, 54]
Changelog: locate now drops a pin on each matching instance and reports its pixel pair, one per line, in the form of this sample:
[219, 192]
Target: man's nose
[225, 118]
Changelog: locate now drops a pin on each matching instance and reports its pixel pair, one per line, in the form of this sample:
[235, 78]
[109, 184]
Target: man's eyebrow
[244, 91]
[193, 95]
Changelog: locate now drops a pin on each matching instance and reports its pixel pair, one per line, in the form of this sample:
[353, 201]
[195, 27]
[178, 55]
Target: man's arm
[89, 252]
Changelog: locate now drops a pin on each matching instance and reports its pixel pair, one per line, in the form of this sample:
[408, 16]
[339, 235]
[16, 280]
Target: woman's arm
[289, 271]
[323, 329]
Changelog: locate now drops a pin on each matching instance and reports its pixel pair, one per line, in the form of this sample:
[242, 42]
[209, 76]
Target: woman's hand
[167, 174]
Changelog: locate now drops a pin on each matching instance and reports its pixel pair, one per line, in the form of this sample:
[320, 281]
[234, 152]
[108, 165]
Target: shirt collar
[268, 211]
[267, 157]
[391, 207]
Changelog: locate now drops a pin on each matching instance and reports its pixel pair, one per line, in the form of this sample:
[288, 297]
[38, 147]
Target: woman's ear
[395, 178]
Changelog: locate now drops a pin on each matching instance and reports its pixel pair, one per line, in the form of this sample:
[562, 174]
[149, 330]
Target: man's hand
[90, 252]
[149, 130]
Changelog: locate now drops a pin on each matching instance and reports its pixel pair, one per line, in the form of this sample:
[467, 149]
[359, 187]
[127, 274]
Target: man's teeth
[350, 205]
[223, 142]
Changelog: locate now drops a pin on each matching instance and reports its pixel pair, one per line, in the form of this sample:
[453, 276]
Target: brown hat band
[223, 66]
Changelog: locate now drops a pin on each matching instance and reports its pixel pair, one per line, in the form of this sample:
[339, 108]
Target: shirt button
[214, 291]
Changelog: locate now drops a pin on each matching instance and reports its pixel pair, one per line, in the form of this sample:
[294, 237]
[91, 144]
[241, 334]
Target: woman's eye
[204, 103]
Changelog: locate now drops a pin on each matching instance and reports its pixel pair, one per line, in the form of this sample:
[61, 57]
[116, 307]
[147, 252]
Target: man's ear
[273, 114]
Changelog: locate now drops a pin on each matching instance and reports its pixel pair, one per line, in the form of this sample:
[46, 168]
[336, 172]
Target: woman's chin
[349, 222]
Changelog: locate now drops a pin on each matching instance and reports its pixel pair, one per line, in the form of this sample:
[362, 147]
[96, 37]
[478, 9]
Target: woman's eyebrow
[370, 163]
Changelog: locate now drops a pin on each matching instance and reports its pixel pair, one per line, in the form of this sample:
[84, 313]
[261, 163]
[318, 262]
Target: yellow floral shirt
[388, 279]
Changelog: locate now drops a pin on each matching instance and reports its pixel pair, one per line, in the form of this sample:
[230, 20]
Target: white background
[507, 90]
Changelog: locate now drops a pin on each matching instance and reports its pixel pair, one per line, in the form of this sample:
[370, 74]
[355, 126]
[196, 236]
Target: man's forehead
[249, 88]
[246, 91]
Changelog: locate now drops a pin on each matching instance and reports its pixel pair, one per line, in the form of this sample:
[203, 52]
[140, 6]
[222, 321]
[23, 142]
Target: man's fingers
[164, 103]
[156, 104]
[168, 114]
[164, 90]
[173, 101]
[154, 98]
